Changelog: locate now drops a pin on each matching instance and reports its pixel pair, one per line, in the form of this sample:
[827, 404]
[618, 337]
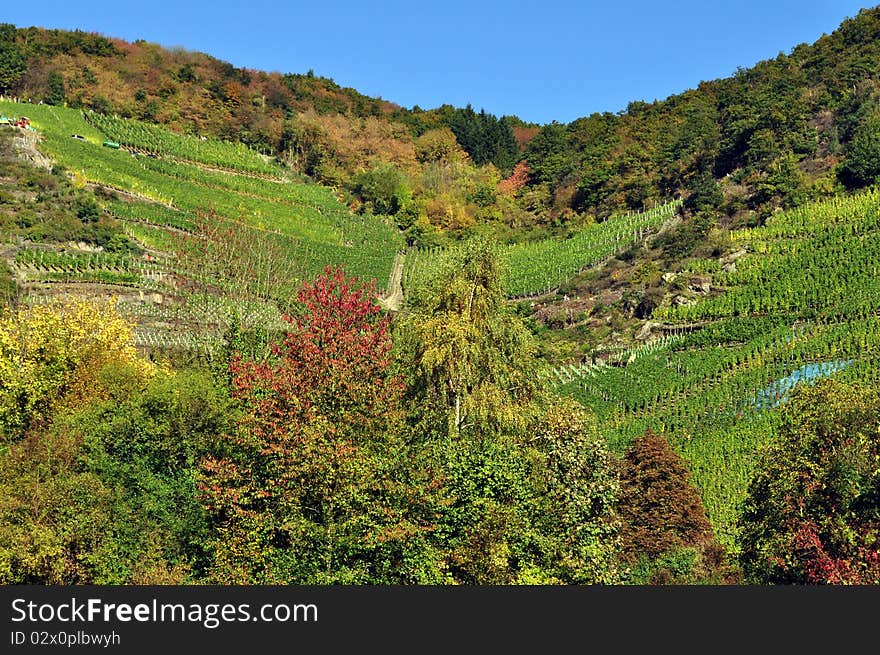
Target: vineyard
[802, 304]
[228, 234]
[539, 267]
[174, 191]
[152, 139]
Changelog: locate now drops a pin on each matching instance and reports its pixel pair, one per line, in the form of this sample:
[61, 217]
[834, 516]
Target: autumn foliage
[812, 515]
[307, 489]
[517, 180]
[662, 513]
[52, 353]
[333, 360]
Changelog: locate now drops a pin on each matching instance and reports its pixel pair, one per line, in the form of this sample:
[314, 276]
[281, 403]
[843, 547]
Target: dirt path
[394, 295]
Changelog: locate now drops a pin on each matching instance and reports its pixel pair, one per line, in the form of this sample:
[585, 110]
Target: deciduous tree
[665, 534]
[812, 514]
[314, 485]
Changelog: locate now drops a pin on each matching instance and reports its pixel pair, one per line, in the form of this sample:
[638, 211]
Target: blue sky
[542, 61]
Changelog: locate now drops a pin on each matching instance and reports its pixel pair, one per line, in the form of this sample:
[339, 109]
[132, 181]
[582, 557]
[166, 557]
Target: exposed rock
[86, 247]
[24, 144]
[644, 332]
[700, 284]
[669, 278]
[732, 257]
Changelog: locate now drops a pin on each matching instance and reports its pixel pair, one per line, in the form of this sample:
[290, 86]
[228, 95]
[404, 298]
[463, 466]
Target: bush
[87, 210]
[106, 494]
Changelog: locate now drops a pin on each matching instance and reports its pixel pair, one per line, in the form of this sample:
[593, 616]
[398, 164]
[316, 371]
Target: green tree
[385, 189]
[862, 165]
[471, 359]
[785, 181]
[105, 492]
[550, 155]
[579, 503]
[705, 193]
[12, 67]
[55, 84]
[484, 137]
[527, 486]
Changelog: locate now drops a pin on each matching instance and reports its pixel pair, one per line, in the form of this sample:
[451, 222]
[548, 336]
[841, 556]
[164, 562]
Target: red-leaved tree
[314, 485]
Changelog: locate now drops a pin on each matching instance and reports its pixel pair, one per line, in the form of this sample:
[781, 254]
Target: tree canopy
[813, 510]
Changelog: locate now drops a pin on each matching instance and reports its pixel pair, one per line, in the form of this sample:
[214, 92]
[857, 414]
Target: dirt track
[394, 295]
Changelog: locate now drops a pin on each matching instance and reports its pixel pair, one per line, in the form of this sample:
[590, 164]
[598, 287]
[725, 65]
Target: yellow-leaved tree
[51, 354]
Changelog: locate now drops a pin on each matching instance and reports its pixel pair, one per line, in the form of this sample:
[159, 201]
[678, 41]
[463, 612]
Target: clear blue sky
[543, 61]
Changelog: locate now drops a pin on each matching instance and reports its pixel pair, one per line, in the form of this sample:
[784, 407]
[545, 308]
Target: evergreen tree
[55, 96]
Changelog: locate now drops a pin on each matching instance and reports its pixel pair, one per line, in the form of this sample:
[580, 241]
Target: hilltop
[771, 135]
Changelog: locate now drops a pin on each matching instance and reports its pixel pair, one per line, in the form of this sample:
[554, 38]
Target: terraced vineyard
[803, 304]
[151, 138]
[326, 231]
[538, 267]
[172, 199]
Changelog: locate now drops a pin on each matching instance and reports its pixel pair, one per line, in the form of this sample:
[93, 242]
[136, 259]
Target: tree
[51, 353]
[470, 359]
[314, 485]
[579, 503]
[100, 488]
[385, 189]
[438, 145]
[705, 193]
[484, 137]
[549, 155]
[12, 63]
[812, 514]
[55, 84]
[662, 516]
[247, 262]
[527, 488]
[784, 180]
[862, 165]
[516, 181]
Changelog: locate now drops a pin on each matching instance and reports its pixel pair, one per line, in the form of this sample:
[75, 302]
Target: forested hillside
[786, 130]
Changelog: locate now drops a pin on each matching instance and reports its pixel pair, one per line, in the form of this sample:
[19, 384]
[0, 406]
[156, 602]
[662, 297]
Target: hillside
[556, 318]
[776, 134]
[204, 230]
